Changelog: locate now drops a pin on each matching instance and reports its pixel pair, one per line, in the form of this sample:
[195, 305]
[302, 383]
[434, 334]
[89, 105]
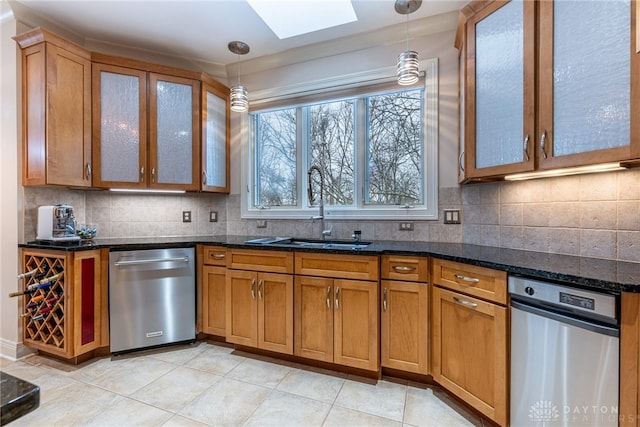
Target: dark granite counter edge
[591, 273]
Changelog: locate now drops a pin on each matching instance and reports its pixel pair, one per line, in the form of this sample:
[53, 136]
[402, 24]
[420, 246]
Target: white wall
[10, 190]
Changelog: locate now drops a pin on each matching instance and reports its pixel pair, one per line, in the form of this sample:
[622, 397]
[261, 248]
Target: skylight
[288, 18]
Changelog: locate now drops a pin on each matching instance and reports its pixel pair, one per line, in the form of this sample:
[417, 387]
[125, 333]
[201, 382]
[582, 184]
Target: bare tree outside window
[392, 143]
[276, 158]
[332, 137]
[394, 149]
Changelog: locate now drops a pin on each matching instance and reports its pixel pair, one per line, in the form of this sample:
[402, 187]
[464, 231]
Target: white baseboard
[13, 350]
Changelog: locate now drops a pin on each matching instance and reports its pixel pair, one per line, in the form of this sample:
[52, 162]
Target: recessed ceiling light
[288, 18]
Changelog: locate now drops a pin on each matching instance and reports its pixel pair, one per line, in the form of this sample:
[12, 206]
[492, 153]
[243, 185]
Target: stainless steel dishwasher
[564, 355]
[152, 298]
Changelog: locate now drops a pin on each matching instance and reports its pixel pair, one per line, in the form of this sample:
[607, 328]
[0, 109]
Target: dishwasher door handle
[149, 261]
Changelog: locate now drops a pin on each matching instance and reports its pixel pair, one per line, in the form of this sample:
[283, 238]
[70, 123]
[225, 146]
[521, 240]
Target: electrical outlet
[213, 216]
[186, 216]
[406, 226]
[452, 216]
[261, 223]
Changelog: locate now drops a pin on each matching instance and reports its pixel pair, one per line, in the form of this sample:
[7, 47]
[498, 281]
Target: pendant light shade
[239, 95]
[408, 63]
[239, 99]
[408, 71]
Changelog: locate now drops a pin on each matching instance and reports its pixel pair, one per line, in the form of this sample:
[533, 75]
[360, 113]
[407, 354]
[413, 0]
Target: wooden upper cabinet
[589, 108]
[166, 155]
[174, 132]
[215, 136]
[119, 126]
[56, 110]
[543, 90]
[499, 119]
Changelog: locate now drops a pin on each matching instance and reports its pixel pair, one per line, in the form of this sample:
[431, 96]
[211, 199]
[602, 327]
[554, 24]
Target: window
[376, 152]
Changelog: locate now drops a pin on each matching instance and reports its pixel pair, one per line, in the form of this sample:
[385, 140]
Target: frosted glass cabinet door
[499, 84]
[215, 139]
[119, 116]
[586, 93]
[173, 118]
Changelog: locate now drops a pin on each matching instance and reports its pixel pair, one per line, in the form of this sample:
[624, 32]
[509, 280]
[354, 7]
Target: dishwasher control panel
[564, 297]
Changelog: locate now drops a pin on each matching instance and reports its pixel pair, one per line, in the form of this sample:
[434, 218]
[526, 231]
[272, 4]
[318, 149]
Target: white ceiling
[199, 30]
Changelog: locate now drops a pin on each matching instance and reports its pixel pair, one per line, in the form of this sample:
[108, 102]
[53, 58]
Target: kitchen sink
[310, 243]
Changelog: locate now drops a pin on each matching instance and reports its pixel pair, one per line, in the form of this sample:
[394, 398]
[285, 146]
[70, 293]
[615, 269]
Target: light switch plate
[452, 216]
[213, 216]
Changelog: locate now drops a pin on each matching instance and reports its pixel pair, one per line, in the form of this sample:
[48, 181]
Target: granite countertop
[592, 273]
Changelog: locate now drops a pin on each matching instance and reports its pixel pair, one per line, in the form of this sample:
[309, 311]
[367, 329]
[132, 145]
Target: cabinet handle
[142, 174]
[384, 299]
[88, 171]
[218, 256]
[260, 283]
[543, 143]
[329, 297]
[465, 303]
[204, 177]
[403, 268]
[461, 161]
[525, 148]
[337, 298]
[153, 175]
[253, 288]
[466, 279]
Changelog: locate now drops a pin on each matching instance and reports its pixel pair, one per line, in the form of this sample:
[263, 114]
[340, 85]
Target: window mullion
[361, 152]
[302, 159]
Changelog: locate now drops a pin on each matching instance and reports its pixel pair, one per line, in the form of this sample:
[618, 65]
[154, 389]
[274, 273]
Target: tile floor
[206, 384]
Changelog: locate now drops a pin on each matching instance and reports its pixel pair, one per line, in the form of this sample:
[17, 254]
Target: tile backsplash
[594, 215]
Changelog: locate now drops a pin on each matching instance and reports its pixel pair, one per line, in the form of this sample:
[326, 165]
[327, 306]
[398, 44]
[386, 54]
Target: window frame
[427, 211]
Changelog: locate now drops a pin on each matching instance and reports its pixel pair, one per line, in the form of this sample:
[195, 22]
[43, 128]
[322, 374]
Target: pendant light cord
[407, 31]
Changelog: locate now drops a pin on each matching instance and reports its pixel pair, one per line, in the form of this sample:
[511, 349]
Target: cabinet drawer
[263, 260]
[482, 282]
[215, 255]
[412, 269]
[340, 266]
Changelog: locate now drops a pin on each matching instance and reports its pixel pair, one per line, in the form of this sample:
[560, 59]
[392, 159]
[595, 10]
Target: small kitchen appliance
[56, 223]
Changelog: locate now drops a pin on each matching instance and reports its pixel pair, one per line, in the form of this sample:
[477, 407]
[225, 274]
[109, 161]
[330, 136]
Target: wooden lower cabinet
[336, 321]
[404, 326]
[260, 310]
[68, 318]
[469, 351]
[214, 300]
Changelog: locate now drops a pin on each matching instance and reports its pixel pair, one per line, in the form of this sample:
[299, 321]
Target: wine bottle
[27, 274]
[30, 290]
[46, 281]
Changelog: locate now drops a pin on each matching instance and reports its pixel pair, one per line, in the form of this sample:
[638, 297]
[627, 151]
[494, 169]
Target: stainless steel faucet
[320, 216]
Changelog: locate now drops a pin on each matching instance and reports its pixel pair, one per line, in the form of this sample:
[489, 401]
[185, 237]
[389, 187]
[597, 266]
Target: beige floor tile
[284, 409]
[385, 399]
[94, 368]
[180, 421]
[344, 417]
[129, 412]
[260, 373]
[424, 409]
[72, 406]
[215, 360]
[176, 388]
[228, 402]
[312, 385]
[133, 375]
[179, 355]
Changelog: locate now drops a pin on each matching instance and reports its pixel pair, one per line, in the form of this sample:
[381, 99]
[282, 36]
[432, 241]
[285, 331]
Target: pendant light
[408, 60]
[239, 97]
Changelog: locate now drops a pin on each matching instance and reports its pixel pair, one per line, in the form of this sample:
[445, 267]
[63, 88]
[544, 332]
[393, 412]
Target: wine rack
[45, 319]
